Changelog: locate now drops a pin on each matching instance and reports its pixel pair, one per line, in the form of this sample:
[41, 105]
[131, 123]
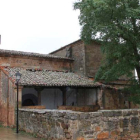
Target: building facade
[60, 80]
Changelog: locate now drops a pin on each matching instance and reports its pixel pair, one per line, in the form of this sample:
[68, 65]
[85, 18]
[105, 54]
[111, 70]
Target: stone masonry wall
[87, 58]
[116, 99]
[78, 54]
[70, 125]
[93, 58]
[33, 62]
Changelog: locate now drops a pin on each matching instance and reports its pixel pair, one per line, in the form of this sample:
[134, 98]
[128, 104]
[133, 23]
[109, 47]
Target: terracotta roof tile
[21, 53]
[49, 78]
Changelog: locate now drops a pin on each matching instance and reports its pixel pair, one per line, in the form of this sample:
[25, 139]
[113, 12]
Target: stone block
[134, 121]
[68, 136]
[134, 135]
[108, 113]
[112, 125]
[97, 128]
[84, 116]
[127, 113]
[80, 138]
[64, 126]
[89, 132]
[103, 135]
[95, 114]
[124, 123]
[117, 113]
[114, 134]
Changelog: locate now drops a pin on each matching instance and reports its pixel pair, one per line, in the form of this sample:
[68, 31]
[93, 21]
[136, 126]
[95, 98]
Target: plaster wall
[7, 101]
[51, 98]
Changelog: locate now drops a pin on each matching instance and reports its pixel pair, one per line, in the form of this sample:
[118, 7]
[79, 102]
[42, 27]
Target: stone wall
[35, 62]
[93, 58]
[70, 125]
[116, 99]
[87, 58]
[78, 54]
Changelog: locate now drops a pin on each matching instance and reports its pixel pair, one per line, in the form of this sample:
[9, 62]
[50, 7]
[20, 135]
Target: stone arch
[29, 100]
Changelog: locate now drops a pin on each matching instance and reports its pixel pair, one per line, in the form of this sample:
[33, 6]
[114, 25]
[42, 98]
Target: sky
[40, 26]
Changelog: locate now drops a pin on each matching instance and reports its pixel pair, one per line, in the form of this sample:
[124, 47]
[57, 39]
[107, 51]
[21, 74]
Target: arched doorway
[29, 100]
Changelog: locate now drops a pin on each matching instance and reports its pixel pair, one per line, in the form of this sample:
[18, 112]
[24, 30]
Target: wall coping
[77, 112]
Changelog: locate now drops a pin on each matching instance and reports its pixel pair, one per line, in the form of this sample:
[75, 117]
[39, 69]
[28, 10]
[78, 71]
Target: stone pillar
[39, 89]
[100, 98]
[19, 95]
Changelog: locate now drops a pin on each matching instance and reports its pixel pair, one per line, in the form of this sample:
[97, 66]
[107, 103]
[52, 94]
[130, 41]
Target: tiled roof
[48, 78]
[21, 53]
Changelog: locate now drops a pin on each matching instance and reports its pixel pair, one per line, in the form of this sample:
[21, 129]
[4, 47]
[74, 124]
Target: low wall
[70, 125]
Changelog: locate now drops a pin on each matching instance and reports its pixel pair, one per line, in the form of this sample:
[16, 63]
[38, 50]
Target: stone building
[87, 60]
[65, 77]
[87, 57]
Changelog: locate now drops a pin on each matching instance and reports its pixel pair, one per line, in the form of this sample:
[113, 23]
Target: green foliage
[134, 91]
[116, 25]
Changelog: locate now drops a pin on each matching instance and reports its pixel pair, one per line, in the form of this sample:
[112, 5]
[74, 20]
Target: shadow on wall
[29, 100]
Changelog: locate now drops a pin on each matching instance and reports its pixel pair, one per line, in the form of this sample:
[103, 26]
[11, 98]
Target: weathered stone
[108, 114]
[114, 134]
[97, 128]
[134, 121]
[80, 138]
[127, 113]
[112, 125]
[68, 136]
[84, 116]
[75, 117]
[95, 114]
[117, 113]
[64, 126]
[124, 123]
[60, 127]
[103, 135]
[89, 132]
[134, 135]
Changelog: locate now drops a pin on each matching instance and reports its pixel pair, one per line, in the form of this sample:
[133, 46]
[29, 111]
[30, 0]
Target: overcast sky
[38, 25]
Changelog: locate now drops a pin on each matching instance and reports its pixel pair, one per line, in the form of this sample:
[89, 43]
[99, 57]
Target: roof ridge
[36, 69]
[63, 47]
[25, 53]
